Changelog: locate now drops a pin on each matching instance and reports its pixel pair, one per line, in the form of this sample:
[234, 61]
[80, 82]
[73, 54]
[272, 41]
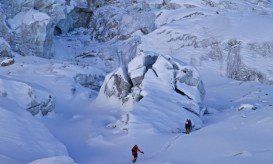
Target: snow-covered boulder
[246, 107]
[32, 33]
[4, 49]
[110, 21]
[24, 138]
[159, 84]
[7, 62]
[27, 97]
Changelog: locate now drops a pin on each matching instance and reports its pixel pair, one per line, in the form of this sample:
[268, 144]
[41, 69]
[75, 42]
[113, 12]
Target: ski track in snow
[165, 147]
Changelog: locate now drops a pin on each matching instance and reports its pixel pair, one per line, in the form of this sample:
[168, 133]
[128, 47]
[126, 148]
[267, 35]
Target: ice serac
[234, 48]
[4, 48]
[151, 85]
[32, 33]
[32, 24]
[11, 8]
[117, 85]
[111, 21]
[34, 100]
[78, 14]
[4, 30]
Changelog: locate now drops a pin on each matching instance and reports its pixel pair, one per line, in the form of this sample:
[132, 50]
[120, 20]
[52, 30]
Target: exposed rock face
[33, 100]
[111, 21]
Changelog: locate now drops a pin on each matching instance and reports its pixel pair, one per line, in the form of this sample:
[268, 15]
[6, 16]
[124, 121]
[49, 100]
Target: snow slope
[23, 138]
[200, 33]
[237, 136]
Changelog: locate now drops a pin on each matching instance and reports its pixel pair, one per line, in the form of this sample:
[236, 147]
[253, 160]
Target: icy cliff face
[29, 26]
[4, 48]
[111, 21]
[150, 76]
[204, 30]
[231, 36]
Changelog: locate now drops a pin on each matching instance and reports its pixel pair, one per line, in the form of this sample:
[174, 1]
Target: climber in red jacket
[135, 151]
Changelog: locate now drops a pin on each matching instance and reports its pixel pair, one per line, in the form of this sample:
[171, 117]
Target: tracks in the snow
[166, 146]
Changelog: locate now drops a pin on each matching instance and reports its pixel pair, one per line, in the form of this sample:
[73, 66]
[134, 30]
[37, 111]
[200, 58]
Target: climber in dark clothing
[135, 151]
[188, 126]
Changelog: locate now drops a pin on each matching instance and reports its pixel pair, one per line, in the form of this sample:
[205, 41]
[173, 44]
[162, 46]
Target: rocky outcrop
[27, 97]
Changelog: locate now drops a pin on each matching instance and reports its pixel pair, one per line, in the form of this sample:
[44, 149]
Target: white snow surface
[24, 138]
[82, 126]
[81, 131]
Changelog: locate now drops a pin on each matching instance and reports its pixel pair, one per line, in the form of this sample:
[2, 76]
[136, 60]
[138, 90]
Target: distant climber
[135, 151]
[188, 126]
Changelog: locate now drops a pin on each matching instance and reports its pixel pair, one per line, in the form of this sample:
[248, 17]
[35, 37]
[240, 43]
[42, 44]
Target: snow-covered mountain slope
[24, 138]
[237, 136]
[233, 36]
[107, 97]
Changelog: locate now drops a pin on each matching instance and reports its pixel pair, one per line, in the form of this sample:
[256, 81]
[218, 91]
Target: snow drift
[23, 138]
